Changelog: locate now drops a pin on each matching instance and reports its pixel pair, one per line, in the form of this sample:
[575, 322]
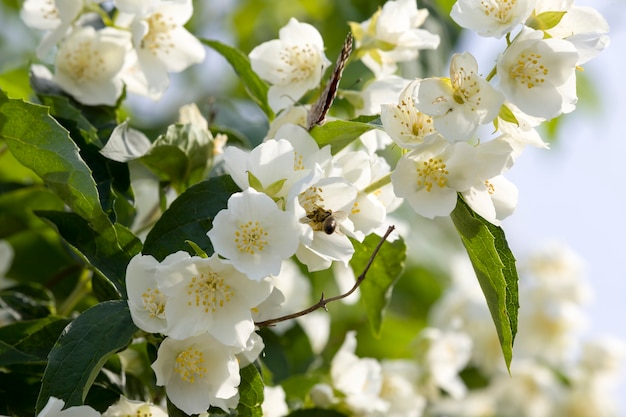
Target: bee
[322, 220]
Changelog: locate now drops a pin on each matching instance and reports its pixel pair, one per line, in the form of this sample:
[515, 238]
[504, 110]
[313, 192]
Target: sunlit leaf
[495, 269]
[250, 393]
[339, 133]
[190, 217]
[255, 86]
[381, 276]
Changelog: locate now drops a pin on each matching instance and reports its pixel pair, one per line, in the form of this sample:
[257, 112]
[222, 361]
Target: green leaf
[27, 301]
[250, 392]
[60, 107]
[190, 217]
[82, 349]
[255, 86]
[108, 252]
[381, 276]
[339, 133]
[495, 269]
[29, 341]
[545, 20]
[41, 144]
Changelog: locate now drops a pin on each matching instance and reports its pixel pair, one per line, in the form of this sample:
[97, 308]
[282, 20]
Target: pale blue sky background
[576, 193]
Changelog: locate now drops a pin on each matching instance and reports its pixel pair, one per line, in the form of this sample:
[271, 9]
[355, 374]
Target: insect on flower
[324, 220]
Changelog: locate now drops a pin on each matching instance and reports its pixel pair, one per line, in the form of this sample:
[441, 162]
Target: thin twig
[324, 301]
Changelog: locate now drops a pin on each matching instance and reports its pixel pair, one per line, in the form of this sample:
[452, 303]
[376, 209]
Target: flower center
[415, 124]
[499, 9]
[82, 61]
[154, 302]
[301, 61]
[189, 365]
[298, 161]
[432, 172]
[529, 70]
[158, 36]
[250, 238]
[208, 291]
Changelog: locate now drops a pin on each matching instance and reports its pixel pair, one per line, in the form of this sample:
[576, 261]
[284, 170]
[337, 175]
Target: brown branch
[324, 301]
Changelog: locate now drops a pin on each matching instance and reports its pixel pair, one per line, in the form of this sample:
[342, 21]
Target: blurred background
[572, 194]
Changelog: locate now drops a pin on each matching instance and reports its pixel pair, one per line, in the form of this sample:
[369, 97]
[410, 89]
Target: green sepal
[383, 273]
[339, 133]
[545, 21]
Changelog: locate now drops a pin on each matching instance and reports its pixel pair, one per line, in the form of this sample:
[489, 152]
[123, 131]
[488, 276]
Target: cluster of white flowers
[300, 200]
[396, 387]
[96, 57]
[122, 408]
[554, 371]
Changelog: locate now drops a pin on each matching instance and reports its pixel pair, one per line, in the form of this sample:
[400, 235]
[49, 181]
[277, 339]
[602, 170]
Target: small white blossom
[274, 404]
[380, 91]
[324, 208]
[404, 123]
[493, 18]
[293, 64]
[210, 295]
[461, 103]
[358, 379]
[392, 35]
[145, 299]
[198, 372]
[538, 75]
[54, 408]
[441, 356]
[430, 177]
[254, 234]
[161, 43]
[125, 407]
[89, 63]
[584, 27]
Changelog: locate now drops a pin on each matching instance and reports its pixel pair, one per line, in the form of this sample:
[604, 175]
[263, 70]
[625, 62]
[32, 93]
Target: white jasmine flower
[254, 234]
[273, 165]
[399, 388]
[441, 356]
[293, 64]
[461, 103]
[252, 350]
[495, 199]
[145, 299]
[198, 372]
[210, 295]
[324, 209]
[392, 35]
[430, 177]
[538, 75]
[358, 379]
[585, 27]
[6, 259]
[161, 43]
[55, 16]
[531, 390]
[89, 63]
[404, 123]
[125, 407]
[380, 91]
[492, 18]
[274, 404]
[54, 408]
[307, 153]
